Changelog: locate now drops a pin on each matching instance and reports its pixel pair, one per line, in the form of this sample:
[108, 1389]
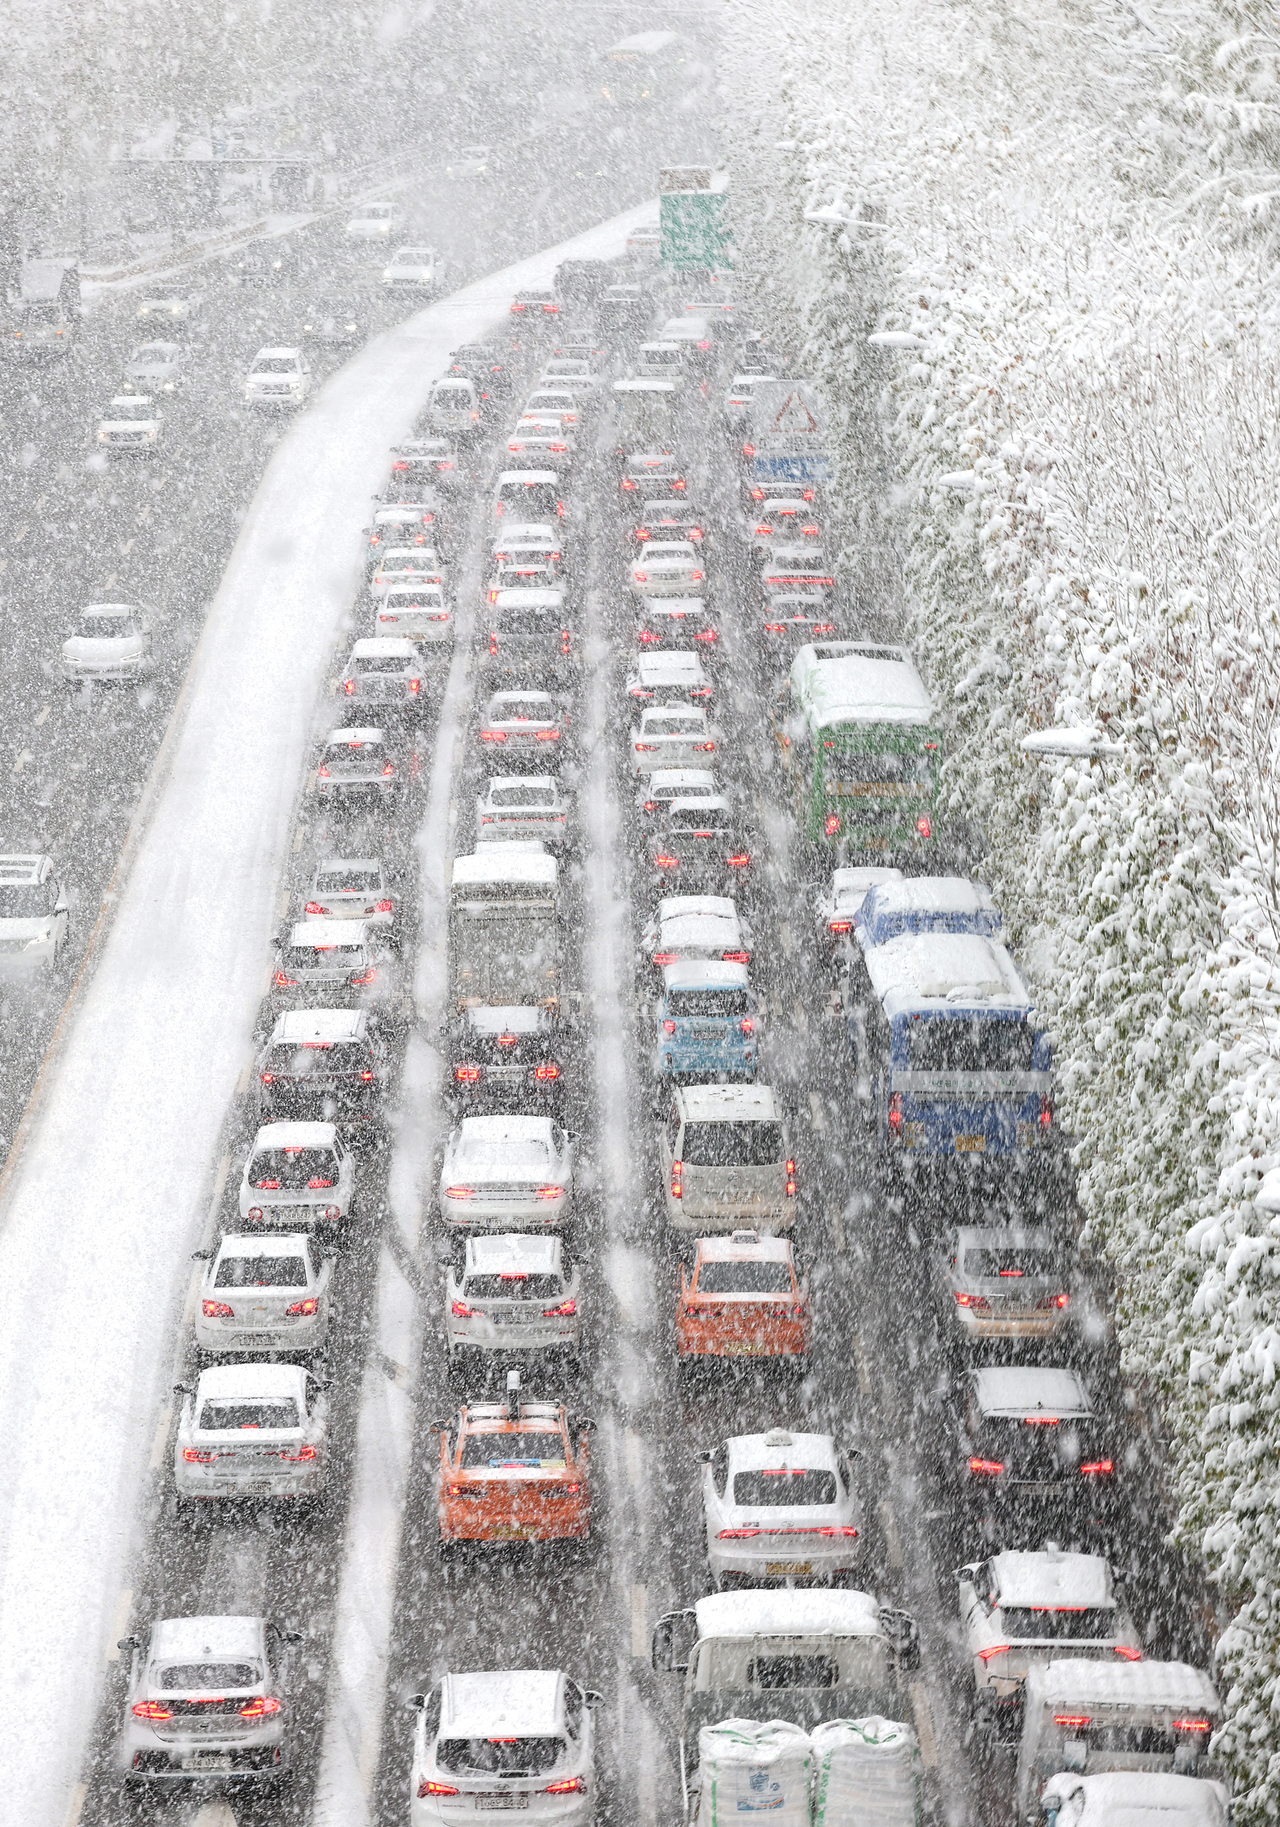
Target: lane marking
[786, 937]
[215, 1203]
[22, 761]
[924, 1724]
[124, 1605]
[864, 1369]
[20, 535]
[635, 1460]
[242, 1083]
[818, 1114]
[42, 714]
[126, 548]
[639, 1621]
[284, 904]
[160, 1445]
[298, 837]
[889, 1523]
[78, 1795]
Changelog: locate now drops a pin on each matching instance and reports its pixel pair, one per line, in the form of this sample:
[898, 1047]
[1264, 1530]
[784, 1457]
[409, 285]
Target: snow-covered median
[109, 1194]
[1031, 257]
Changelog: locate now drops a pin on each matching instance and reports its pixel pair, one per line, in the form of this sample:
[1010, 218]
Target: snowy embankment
[110, 1192]
[1066, 218]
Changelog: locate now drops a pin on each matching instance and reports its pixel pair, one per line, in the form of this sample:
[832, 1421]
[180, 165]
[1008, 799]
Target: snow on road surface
[112, 1186]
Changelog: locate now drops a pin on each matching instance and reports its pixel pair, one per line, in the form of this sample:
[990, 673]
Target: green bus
[860, 742]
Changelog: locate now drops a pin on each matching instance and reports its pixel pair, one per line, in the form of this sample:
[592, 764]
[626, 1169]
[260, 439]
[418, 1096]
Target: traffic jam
[771, 1451]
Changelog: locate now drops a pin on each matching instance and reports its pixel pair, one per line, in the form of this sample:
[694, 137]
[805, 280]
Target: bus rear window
[947, 1043]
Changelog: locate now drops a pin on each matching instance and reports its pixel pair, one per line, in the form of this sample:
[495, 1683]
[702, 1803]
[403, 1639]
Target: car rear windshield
[205, 1677]
[522, 796]
[744, 1278]
[732, 1144]
[512, 1287]
[955, 1043]
[354, 757]
[219, 1415]
[261, 1272]
[724, 1003]
[318, 1059]
[1011, 1262]
[513, 1450]
[1041, 1448]
[348, 881]
[335, 958]
[530, 1157]
[692, 724]
[713, 819]
[530, 624]
[27, 901]
[535, 500]
[422, 558]
[453, 399]
[787, 1485]
[382, 663]
[499, 1756]
[293, 1169]
[1077, 1624]
[793, 1671]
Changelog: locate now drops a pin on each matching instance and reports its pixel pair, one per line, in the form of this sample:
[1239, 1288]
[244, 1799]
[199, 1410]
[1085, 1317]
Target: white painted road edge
[363, 1627]
[108, 1199]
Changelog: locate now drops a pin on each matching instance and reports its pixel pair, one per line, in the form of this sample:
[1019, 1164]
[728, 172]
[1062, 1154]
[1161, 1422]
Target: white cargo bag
[753, 1767]
[866, 1774]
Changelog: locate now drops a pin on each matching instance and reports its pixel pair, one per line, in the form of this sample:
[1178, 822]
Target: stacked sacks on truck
[752, 1766]
[866, 1774]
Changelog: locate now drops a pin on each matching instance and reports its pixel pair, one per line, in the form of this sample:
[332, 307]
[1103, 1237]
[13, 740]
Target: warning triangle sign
[793, 415]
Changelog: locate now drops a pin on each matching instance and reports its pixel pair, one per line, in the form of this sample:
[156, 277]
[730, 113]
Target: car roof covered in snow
[1029, 1389]
[779, 1447]
[320, 1027]
[295, 1135]
[263, 1243]
[836, 682]
[253, 1382]
[505, 1129]
[1052, 1578]
[317, 933]
[1138, 1798]
[506, 1703]
[945, 972]
[850, 887]
[1082, 1682]
[494, 1254]
[198, 1639]
[505, 863]
[800, 1613]
[927, 903]
[704, 974]
[728, 1103]
[486, 1018]
[744, 1246]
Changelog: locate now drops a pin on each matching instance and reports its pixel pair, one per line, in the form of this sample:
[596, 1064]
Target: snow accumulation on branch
[1059, 467]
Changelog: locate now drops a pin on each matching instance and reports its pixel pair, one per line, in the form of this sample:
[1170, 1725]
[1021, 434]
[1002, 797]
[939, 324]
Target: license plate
[247, 1338]
[971, 1145]
[502, 1801]
[510, 1532]
[746, 1351]
[207, 1760]
[780, 1569]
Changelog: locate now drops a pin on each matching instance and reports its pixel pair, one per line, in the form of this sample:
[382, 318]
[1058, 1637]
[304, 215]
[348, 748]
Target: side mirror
[291, 1636]
[129, 1643]
[706, 1455]
[202, 1255]
[664, 1650]
[904, 1637]
[416, 1702]
[182, 1389]
[438, 1427]
[591, 1698]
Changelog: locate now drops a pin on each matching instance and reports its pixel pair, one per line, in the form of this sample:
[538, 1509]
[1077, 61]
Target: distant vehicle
[792, 570]
[520, 806]
[660, 361]
[624, 312]
[528, 495]
[256, 1431]
[706, 1021]
[514, 1471]
[781, 1507]
[534, 305]
[532, 1731]
[338, 964]
[1003, 1282]
[298, 1176]
[264, 1292]
[669, 567]
[507, 1173]
[517, 540]
[322, 1066]
[432, 462]
[355, 888]
[581, 284]
[415, 268]
[383, 670]
[514, 1293]
[646, 425]
[672, 736]
[404, 523]
[861, 745]
[157, 367]
[413, 566]
[1026, 1449]
[334, 321]
[174, 1734]
[34, 921]
[263, 265]
[696, 927]
[278, 377]
[417, 612]
[786, 520]
[545, 442]
[112, 641]
[46, 307]
[178, 305]
[130, 426]
[925, 904]
[455, 407]
[651, 474]
[358, 764]
[504, 928]
[673, 677]
[666, 622]
[695, 335]
[575, 372]
[507, 1059]
[726, 1160]
[528, 638]
[664, 786]
[676, 518]
[523, 726]
[700, 846]
[792, 620]
[743, 1298]
[470, 162]
[372, 222]
[557, 403]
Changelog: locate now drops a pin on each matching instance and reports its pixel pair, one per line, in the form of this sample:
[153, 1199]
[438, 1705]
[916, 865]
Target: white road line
[78, 1795]
[160, 1445]
[299, 838]
[864, 1369]
[924, 1724]
[120, 1624]
[242, 1083]
[640, 1622]
[646, 1786]
[22, 761]
[42, 715]
[285, 899]
[786, 938]
[818, 1114]
[893, 1541]
[635, 1460]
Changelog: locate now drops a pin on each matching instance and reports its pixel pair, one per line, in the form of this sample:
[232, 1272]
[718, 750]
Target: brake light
[384, 907]
[1046, 1110]
[303, 1453]
[976, 1301]
[466, 1075]
[265, 1704]
[747, 1025]
[216, 1309]
[460, 1192]
[569, 1784]
[349, 686]
[667, 862]
[705, 634]
[564, 1311]
[546, 1072]
[791, 1179]
[775, 628]
[997, 1649]
[508, 1040]
[314, 1185]
[738, 1535]
[493, 643]
[1129, 1655]
[839, 926]
[303, 1309]
[832, 824]
[739, 860]
[192, 1456]
[843, 1530]
[1097, 1468]
[1192, 1725]
[151, 1709]
[389, 769]
[895, 1111]
[1071, 1719]
[695, 577]
[284, 983]
[493, 735]
[364, 977]
[426, 1788]
[643, 533]
[1040, 1420]
[322, 772]
[677, 1171]
[414, 684]
[255, 1211]
[550, 1192]
[923, 826]
[704, 748]
[564, 640]
[550, 735]
[749, 450]
[986, 1468]
[736, 957]
[641, 577]
[668, 1027]
[1052, 1303]
[462, 1311]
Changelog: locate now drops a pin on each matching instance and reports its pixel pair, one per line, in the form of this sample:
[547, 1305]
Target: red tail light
[349, 686]
[565, 1310]
[366, 1078]
[643, 533]
[740, 860]
[641, 577]
[493, 735]
[322, 772]
[151, 1709]
[192, 1456]
[315, 907]
[791, 1179]
[548, 735]
[284, 983]
[569, 1784]
[978, 1302]
[389, 769]
[268, 1078]
[546, 1072]
[705, 634]
[704, 748]
[466, 1075]
[1129, 1655]
[426, 1788]
[997, 1649]
[1046, 1111]
[923, 826]
[493, 643]
[1078, 1720]
[564, 640]
[667, 862]
[414, 684]
[261, 1708]
[747, 1025]
[986, 1468]
[842, 1530]
[738, 1535]
[303, 1309]
[462, 1311]
[1097, 1468]
[384, 907]
[303, 1454]
[839, 926]
[832, 824]
[749, 450]
[895, 1111]
[736, 957]
[695, 577]
[1193, 1725]
[216, 1309]
[460, 1192]
[364, 977]
[668, 1027]
[677, 1172]
[550, 1192]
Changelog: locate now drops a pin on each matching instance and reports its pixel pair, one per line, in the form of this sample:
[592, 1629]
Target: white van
[726, 1160]
[1083, 1717]
[660, 362]
[454, 407]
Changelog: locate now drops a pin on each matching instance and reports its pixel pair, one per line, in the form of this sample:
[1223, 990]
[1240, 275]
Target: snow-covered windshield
[744, 1278]
[784, 1485]
[219, 1414]
[261, 1272]
[732, 1144]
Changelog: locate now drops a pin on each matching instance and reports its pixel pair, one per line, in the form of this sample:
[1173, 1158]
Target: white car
[252, 1430]
[789, 521]
[512, 1739]
[264, 1293]
[111, 641]
[157, 367]
[130, 424]
[372, 222]
[297, 1176]
[1023, 1607]
[836, 907]
[520, 494]
[560, 404]
[524, 723]
[668, 567]
[177, 305]
[660, 361]
[34, 921]
[661, 789]
[382, 670]
[403, 565]
[781, 1506]
[522, 806]
[415, 612]
[414, 267]
[507, 1173]
[672, 736]
[1116, 1798]
[792, 569]
[526, 571]
[354, 888]
[674, 677]
[543, 441]
[403, 523]
[515, 1293]
[469, 162]
[572, 371]
[527, 535]
[278, 377]
[696, 927]
[208, 1702]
